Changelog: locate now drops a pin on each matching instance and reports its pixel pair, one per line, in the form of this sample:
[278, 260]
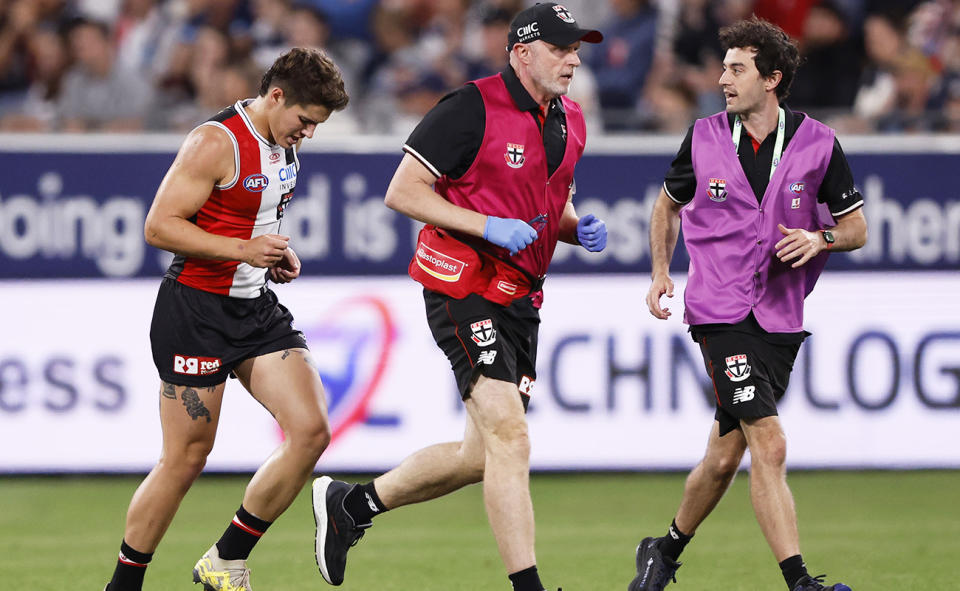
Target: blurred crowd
[890, 66]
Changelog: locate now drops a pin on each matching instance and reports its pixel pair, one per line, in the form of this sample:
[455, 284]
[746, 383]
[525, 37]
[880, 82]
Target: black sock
[526, 580]
[362, 503]
[241, 535]
[672, 544]
[131, 566]
[793, 570]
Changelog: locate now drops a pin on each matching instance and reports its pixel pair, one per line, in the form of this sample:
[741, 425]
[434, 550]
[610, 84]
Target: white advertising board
[877, 385]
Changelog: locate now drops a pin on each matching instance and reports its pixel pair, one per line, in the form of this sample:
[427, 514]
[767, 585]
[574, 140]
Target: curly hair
[775, 49]
[307, 77]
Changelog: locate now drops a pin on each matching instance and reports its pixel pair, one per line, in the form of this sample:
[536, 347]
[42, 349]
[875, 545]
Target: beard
[554, 87]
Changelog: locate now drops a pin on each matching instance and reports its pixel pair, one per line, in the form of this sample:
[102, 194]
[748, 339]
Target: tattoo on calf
[285, 354]
[195, 407]
[169, 391]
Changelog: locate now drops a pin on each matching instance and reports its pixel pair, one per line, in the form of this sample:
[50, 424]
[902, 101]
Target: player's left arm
[587, 231]
[838, 192]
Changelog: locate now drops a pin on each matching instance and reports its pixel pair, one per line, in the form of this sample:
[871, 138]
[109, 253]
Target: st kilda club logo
[717, 190]
[563, 14]
[514, 155]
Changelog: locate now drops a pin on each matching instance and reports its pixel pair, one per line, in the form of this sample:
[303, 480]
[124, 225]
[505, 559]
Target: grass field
[876, 531]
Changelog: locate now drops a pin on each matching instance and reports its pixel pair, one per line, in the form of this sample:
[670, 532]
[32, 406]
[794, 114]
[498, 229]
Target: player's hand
[512, 234]
[592, 233]
[798, 243]
[662, 285]
[264, 251]
[287, 269]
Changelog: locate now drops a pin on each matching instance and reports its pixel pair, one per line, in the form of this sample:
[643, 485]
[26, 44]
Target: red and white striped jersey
[248, 205]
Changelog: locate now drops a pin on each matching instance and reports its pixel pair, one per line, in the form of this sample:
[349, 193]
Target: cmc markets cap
[549, 22]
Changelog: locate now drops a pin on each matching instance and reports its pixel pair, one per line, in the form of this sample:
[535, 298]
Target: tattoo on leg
[309, 360]
[195, 407]
[285, 354]
[169, 391]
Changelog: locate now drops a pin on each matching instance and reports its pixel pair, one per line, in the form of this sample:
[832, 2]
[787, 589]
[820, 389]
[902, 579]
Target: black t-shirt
[837, 190]
[448, 138]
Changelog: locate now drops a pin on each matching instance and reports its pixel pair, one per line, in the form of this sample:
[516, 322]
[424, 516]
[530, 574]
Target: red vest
[509, 179]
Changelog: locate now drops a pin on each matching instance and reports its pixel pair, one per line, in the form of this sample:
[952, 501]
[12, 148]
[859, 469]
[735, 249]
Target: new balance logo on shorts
[744, 394]
[486, 357]
[196, 366]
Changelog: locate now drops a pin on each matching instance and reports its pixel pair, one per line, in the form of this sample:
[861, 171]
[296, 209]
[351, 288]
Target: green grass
[876, 531]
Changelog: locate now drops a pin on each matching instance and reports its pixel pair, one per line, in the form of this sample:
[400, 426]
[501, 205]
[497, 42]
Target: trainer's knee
[722, 465]
[726, 467]
[510, 439]
[772, 452]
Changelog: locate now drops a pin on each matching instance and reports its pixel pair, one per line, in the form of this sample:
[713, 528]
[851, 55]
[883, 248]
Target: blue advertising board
[79, 213]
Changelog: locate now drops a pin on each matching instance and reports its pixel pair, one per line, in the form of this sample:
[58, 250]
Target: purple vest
[731, 239]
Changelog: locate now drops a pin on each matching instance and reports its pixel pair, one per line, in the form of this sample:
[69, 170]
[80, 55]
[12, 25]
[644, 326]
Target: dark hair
[775, 49]
[307, 77]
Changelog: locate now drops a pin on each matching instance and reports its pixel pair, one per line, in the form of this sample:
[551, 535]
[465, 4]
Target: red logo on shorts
[526, 385]
[196, 366]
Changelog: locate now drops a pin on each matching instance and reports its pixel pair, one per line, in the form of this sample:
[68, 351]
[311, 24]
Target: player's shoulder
[208, 139]
[208, 148]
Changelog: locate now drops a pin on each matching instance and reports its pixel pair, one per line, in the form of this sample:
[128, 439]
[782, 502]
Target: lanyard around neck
[777, 147]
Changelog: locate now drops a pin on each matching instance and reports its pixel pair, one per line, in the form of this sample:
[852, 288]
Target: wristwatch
[828, 238]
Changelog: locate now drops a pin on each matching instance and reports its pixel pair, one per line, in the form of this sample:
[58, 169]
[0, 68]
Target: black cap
[549, 22]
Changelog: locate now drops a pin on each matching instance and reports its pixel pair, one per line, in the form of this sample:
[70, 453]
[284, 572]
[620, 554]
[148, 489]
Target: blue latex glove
[512, 234]
[592, 233]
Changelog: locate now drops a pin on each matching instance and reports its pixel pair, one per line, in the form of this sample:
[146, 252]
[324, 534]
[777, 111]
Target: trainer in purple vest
[731, 238]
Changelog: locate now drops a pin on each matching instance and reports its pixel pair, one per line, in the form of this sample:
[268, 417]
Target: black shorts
[481, 337]
[199, 337]
[749, 374]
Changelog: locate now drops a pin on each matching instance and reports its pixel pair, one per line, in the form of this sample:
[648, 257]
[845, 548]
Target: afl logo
[255, 182]
[797, 188]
